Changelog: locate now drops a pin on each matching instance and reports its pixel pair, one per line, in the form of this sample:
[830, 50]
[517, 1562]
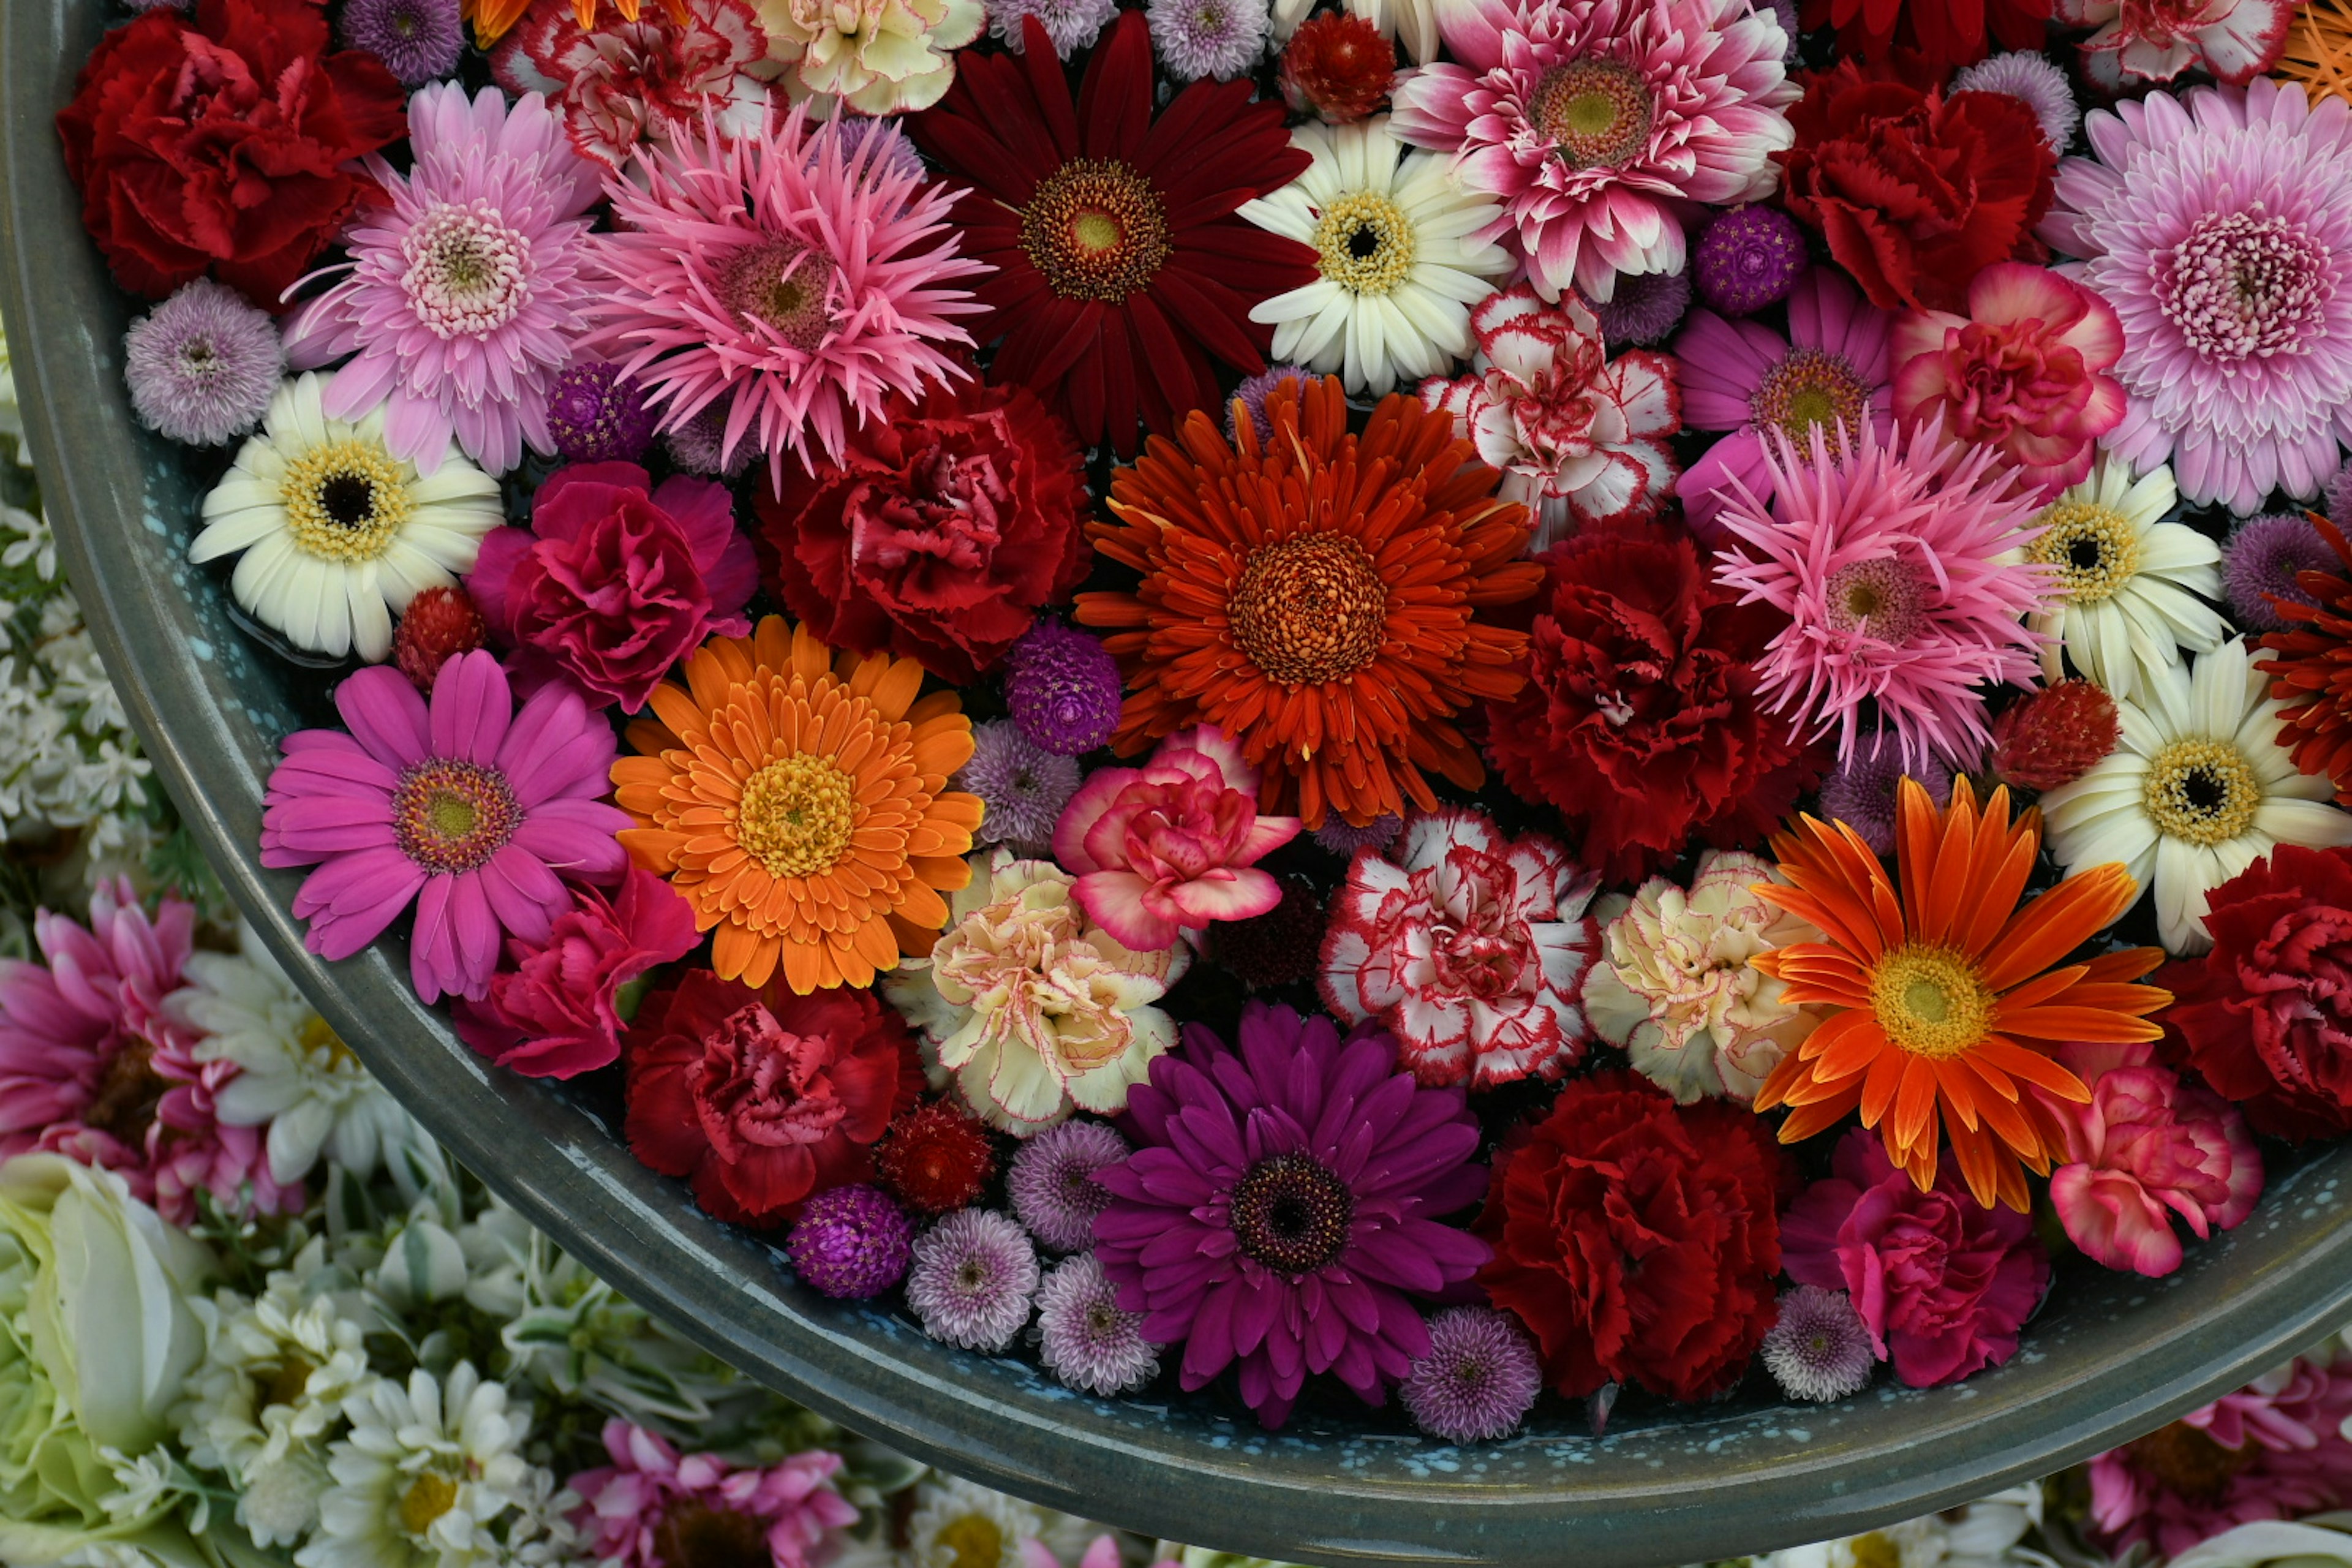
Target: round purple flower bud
[2264, 558]
[598, 416]
[1051, 1182]
[1062, 687]
[1479, 1379]
[2033, 81]
[1860, 793]
[202, 365]
[1023, 785]
[695, 444]
[1647, 309]
[974, 1275]
[1253, 394]
[1748, 259]
[1344, 837]
[851, 1242]
[417, 40]
[1085, 1337]
[1820, 1349]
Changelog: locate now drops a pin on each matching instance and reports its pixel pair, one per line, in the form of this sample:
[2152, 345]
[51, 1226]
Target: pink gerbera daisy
[466, 809]
[1603, 124]
[1892, 561]
[463, 293]
[620, 83]
[2220, 227]
[781, 267]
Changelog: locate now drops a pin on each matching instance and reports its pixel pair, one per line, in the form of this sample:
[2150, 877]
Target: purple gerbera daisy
[1285, 1201]
[1085, 1337]
[465, 808]
[973, 1279]
[465, 290]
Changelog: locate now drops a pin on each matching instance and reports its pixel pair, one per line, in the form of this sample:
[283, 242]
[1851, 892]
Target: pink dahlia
[620, 83]
[652, 1508]
[1470, 947]
[2155, 41]
[786, 270]
[1580, 438]
[2220, 227]
[1602, 125]
[1897, 565]
[465, 290]
[1832, 369]
[466, 809]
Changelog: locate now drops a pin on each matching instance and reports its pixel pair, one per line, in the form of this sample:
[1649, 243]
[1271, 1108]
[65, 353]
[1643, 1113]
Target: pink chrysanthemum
[465, 291]
[619, 83]
[2220, 227]
[1889, 560]
[1601, 124]
[465, 809]
[650, 1508]
[787, 269]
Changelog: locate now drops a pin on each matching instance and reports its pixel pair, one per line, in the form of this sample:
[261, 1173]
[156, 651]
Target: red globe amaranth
[2048, 738]
[1916, 193]
[1640, 723]
[2266, 1015]
[764, 1097]
[1948, 33]
[1638, 1239]
[1337, 66]
[221, 144]
[936, 1158]
[938, 534]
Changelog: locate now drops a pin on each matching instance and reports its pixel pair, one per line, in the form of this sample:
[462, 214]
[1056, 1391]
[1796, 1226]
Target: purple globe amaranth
[852, 1242]
[1062, 687]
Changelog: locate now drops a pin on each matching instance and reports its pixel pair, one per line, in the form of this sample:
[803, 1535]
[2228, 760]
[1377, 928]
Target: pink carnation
[2155, 41]
[1170, 846]
[641, 1511]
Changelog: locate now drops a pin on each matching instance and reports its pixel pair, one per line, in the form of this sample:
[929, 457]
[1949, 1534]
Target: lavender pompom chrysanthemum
[598, 416]
[973, 1277]
[1072, 25]
[2264, 558]
[417, 40]
[1196, 38]
[1252, 392]
[1024, 786]
[1646, 308]
[1342, 837]
[1085, 1337]
[1052, 1182]
[1479, 1379]
[851, 1242]
[202, 365]
[1820, 1350]
[2033, 81]
[1748, 259]
[1860, 793]
[1064, 688]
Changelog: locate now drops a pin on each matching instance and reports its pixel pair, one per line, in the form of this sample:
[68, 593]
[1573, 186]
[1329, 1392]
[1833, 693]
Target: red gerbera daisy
[1121, 267]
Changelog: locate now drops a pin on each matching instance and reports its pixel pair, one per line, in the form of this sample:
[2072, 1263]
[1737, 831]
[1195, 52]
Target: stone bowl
[2113, 1356]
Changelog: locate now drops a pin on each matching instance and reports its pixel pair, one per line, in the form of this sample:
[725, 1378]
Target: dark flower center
[1309, 609]
[782, 283]
[2245, 285]
[2188, 1462]
[346, 500]
[1886, 599]
[693, 1535]
[1096, 229]
[1292, 1213]
[451, 816]
[1598, 112]
[2202, 790]
[128, 1093]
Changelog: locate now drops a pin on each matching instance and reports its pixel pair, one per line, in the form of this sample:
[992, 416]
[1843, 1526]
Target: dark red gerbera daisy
[1121, 267]
[1948, 33]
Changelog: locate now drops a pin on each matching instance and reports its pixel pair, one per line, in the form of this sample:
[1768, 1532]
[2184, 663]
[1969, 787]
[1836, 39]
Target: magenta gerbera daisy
[468, 809]
[800, 276]
[1894, 562]
[463, 291]
[2220, 227]
[1284, 1203]
[1602, 125]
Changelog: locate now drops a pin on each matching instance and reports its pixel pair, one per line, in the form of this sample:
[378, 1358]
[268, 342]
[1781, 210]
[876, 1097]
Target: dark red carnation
[2266, 1015]
[1916, 193]
[1638, 1239]
[1638, 722]
[764, 1097]
[936, 1158]
[937, 534]
[1948, 34]
[222, 143]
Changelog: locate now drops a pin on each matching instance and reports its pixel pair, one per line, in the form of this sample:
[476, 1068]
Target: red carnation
[1916, 193]
[1637, 1238]
[223, 143]
[936, 1158]
[937, 534]
[1638, 722]
[761, 1096]
[2266, 1015]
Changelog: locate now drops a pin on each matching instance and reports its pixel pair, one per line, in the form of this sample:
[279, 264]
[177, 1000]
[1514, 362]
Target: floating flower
[439, 623]
[417, 40]
[1479, 1379]
[1749, 258]
[1937, 987]
[1051, 1182]
[1860, 793]
[1819, 1349]
[934, 1158]
[1598, 125]
[2242, 387]
[851, 1242]
[641, 1510]
[2265, 559]
[2201, 787]
[798, 798]
[2048, 738]
[203, 366]
[466, 809]
[870, 56]
[971, 1280]
[1063, 688]
[1291, 1250]
[1332, 627]
[1197, 38]
[332, 532]
[1070, 24]
[2030, 77]
[1337, 66]
[2129, 587]
[1085, 1337]
[2236, 40]
[622, 83]
[1022, 787]
[1469, 947]
[1946, 33]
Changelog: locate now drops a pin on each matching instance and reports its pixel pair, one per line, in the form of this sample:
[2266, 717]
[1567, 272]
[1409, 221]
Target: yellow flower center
[346, 500]
[1875, 1550]
[2091, 549]
[1365, 242]
[1309, 609]
[1096, 229]
[1598, 111]
[1930, 1001]
[428, 1497]
[973, 1541]
[2203, 791]
[1811, 389]
[317, 1035]
[285, 1385]
[796, 814]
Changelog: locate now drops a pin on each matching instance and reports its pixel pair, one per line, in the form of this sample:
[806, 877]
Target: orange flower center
[784, 284]
[1598, 111]
[796, 814]
[1930, 1001]
[1310, 609]
[1096, 229]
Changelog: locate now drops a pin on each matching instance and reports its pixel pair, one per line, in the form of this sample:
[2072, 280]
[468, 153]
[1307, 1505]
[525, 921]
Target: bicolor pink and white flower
[786, 1512]
[1601, 124]
[2155, 41]
[1470, 947]
[1580, 438]
[622, 83]
[1163, 849]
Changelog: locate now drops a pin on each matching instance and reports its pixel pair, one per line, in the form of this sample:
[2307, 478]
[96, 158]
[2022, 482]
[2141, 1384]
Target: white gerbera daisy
[335, 532]
[274, 1380]
[424, 1475]
[2127, 583]
[1394, 236]
[2199, 789]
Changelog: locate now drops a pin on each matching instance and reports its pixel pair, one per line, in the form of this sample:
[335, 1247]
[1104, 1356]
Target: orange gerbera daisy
[1944, 998]
[493, 19]
[1315, 596]
[2319, 49]
[798, 798]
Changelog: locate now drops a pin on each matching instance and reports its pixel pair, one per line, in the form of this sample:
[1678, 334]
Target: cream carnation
[878, 56]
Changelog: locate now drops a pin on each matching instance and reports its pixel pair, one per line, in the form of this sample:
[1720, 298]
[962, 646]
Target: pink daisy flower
[468, 809]
[2220, 227]
[1602, 125]
[635, 1511]
[2155, 41]
[622, 83]
[1894, 562]
[783, 267]
[463, 293]
[1832, 369]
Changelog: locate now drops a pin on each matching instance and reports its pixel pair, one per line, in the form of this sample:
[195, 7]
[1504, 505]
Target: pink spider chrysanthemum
[1896, 563]
[1603, 124]
[2220, 227]
[799, 277]
[465, 291]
